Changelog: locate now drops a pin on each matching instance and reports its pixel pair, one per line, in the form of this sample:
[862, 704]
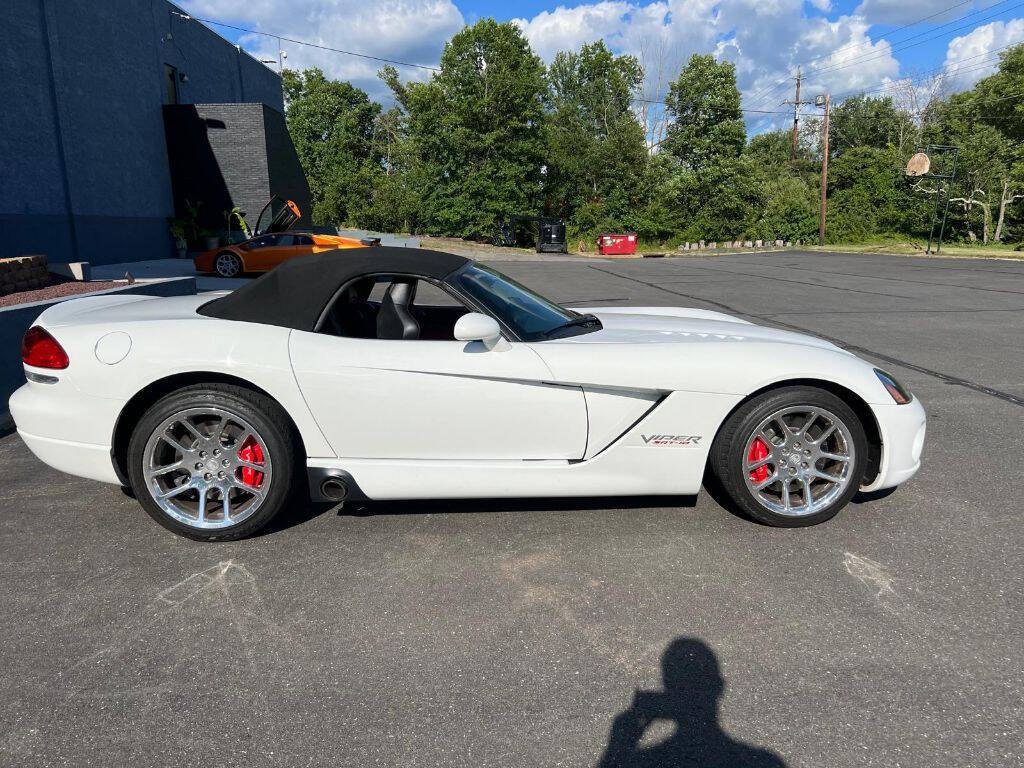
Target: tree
[990, 164]
[861, 121]
[1000, 97]
[331, 124]
[476, 129]
[703, 105]
[596, 152]
[869, 196]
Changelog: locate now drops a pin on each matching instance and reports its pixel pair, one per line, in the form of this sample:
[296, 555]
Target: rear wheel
[212, 462]
[791, 457]
[227, 264]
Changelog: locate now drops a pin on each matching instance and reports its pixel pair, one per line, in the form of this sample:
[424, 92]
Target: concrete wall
[83, 159]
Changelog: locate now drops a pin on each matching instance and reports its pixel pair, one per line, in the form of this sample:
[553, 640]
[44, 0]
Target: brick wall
[231, 154]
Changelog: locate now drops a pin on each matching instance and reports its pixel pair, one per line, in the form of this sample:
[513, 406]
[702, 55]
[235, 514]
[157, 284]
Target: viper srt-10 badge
[671, 439]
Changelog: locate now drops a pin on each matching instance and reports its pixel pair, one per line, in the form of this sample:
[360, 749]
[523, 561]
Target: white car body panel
[437, 399]
[576, 416]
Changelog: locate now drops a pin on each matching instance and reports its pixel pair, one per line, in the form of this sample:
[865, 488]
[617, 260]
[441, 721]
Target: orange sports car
[272, 244]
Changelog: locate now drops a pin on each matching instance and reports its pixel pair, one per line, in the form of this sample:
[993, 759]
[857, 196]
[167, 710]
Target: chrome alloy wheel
[227, 265]
[207, 467]
[799, 460]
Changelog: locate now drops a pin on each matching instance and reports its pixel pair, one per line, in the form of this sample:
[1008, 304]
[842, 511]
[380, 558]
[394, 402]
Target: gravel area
[56, 290]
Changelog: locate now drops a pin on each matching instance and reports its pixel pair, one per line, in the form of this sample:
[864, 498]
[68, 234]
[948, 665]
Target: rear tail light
[897, 391]
[40, 350]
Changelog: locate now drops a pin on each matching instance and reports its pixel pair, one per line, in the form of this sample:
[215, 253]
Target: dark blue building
[87, 119]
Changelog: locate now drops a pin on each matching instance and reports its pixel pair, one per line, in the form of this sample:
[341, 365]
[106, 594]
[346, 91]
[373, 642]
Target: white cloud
[973, 56]
[404, 30]
[906, 11]
[765, 39]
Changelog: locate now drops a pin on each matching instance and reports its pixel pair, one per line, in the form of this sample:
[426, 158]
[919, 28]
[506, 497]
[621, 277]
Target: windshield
[531, 317]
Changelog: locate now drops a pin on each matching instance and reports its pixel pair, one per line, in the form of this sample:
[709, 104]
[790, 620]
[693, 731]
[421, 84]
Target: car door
[437, 399]
[266, 252]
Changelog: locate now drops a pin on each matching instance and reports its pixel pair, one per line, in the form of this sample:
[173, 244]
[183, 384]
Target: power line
[986, 57]
[957, 69]
[642, 100]
[920, 42]
[900, 43]
[778, 83]
[313, 45]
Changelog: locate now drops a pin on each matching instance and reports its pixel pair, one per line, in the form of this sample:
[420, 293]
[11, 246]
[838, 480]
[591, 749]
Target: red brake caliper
[251, 452]
[758, 451]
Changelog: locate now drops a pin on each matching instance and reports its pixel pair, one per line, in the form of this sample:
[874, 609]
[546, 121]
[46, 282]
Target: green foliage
[476, 131]
[331, 124]
[596, 153]
[869, 194]
[494, 134]
[861, 121]
[704, 105]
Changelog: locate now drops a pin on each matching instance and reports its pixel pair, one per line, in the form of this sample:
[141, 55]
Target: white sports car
[406, 374]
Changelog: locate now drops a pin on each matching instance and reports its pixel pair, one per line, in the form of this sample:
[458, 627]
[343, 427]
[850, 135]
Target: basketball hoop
[918, 165]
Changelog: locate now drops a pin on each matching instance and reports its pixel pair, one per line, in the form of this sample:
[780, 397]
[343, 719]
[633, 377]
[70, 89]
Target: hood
[671, 325]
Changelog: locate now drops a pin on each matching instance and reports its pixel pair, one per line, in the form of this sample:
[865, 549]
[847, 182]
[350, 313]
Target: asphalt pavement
[637, 631]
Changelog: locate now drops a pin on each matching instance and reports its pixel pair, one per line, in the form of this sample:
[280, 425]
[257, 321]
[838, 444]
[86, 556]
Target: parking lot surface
[552, 632]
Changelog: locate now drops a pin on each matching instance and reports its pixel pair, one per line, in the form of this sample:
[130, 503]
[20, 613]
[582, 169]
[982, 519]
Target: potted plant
[177, 230]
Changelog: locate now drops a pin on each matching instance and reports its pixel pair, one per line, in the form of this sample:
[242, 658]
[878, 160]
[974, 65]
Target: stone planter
[23, 273]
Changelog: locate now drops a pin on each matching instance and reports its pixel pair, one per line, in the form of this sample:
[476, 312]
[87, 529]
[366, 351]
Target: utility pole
[823, 101]
[796, 115]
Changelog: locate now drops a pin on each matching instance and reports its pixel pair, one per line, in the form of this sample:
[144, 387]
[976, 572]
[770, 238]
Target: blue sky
[908, 49]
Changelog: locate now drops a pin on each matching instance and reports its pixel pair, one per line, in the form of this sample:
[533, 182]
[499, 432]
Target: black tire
[726, 460]
[265, 415]
[221, 271]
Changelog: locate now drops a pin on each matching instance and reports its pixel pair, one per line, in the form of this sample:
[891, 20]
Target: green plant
[177, 229]
[235, 214]
[190, 222]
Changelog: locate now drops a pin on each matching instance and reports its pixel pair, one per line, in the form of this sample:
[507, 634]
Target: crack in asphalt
[945, 377]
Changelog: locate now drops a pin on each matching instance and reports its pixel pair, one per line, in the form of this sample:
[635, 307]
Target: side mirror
[474, 326]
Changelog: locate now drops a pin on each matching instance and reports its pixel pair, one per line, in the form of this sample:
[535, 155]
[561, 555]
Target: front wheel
[791, 457]
[227, 264]
[212, 462]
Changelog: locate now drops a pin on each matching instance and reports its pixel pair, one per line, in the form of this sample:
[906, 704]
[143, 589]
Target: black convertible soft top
[295, 294]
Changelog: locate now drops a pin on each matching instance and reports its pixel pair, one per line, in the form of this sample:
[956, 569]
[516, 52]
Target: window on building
[170, 84]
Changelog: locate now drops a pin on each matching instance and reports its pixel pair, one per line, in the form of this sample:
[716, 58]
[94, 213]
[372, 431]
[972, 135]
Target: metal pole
[824, 179]
[796, 116]
[945, 210]
[935, 215]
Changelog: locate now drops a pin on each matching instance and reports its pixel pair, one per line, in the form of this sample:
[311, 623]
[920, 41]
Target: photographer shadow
[689, 704]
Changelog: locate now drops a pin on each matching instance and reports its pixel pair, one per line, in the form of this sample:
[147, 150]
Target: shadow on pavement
[688, 704]
[433, 506]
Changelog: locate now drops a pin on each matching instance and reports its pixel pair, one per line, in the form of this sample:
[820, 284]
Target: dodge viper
[410, 374]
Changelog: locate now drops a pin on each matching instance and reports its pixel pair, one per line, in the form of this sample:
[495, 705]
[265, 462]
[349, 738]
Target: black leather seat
[395, 320]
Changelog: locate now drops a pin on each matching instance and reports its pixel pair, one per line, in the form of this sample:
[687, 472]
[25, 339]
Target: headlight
[899, 393]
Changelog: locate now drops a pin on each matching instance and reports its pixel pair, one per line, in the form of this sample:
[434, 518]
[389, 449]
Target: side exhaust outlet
[334, 489]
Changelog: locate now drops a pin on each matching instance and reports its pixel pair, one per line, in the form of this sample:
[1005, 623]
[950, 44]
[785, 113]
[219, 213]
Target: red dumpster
[611, 245]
